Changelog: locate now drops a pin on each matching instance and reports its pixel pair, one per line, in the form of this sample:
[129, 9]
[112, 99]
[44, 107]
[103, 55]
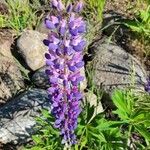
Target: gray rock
[17, 118]
[40, 79]
[115, 68]
[31, 47]
[11, 80]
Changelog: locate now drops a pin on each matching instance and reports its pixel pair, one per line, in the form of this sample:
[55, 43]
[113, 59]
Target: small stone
[30, 46]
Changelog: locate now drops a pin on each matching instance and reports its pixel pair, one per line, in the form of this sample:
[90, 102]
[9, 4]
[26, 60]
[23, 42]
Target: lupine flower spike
[64, 60]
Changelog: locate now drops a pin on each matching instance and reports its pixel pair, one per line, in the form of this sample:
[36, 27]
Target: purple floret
[147, 86]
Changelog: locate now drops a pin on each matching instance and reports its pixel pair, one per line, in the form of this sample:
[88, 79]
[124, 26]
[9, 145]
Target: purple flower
[69, 8]
[64, 60]
[147, 86]
[79, 6]
[52, 22]
[58, 5]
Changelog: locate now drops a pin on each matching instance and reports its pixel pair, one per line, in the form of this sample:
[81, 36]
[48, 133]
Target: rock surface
[115, 68]
[17, 116]
[40, 79]
[11, 80]
[30, 46]
[6, 39]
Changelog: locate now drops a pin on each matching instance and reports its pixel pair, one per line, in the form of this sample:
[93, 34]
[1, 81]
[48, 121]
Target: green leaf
[83, 142]
[119, 101]
[134, 25]
[143, 131]
[37, 139]
[46, 113]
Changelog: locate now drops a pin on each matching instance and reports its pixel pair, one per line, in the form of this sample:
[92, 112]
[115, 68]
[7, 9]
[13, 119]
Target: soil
[129, 40]
[5, 34]
[3, 8]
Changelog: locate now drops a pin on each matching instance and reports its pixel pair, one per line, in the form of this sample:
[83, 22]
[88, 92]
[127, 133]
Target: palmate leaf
[122, 114]
[120, 101]
[143, 131]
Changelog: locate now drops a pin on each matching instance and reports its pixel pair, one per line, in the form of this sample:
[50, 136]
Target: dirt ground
[131, 42]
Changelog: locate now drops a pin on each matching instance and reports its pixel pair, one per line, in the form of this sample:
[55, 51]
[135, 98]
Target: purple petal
[79, 64]
[81, 29]
[55, 104]
[71, 24]
[74, 83]
[51, 89]
[54, 3]
[74, 32]
[49, 63]
[75, 41]
[72, 68]
[79, 6]
[52, 46]
[80, 46]
[58, 52]
[53, 80]
[49, 24]
[48, 72]
[78, 95]
[54, 20]
[60, 5]
[46, 42]
[69, 8]
[81, 78]
[68, 50]
[62, 31]
[47, 56]
[65, 82]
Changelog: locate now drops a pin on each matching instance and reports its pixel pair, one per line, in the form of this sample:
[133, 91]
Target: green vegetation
[20, 16]
[93, 13]
[141, 25]
[130, 128]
